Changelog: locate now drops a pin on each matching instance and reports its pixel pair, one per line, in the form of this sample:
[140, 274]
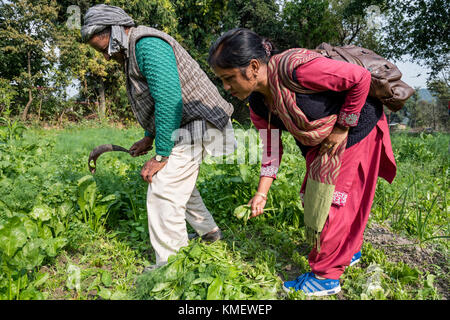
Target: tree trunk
[102, 104]
[39, 111]
[30, 95]
[86, 94]
[434, 116]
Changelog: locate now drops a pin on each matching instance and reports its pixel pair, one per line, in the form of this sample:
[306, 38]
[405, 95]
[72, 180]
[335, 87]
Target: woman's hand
[141, 147]
[257, 204]
[332, 142]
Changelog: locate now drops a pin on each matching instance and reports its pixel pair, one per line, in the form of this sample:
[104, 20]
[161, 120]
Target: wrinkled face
[101, 43]
[239, 84]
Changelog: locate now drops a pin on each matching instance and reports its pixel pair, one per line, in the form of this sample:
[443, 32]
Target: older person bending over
[176, 104]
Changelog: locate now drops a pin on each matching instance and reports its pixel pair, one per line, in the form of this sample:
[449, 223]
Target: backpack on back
[385, 84]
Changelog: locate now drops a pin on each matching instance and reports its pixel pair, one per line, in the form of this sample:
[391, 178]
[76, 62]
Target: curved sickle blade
[97, 151]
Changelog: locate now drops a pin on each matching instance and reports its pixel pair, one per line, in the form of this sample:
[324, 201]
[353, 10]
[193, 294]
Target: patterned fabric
[348, 119]
[269, 171]
[101, 16]
[339, 198]
[201, 100]
[280, 67]
[324, 170]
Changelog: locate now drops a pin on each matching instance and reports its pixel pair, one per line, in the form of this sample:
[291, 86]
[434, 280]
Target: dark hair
[237, 47]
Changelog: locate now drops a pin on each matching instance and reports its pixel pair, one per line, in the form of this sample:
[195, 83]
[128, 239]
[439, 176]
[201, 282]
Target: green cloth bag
[317, 203]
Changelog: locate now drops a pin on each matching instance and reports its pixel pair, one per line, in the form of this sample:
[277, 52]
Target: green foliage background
[40, 56]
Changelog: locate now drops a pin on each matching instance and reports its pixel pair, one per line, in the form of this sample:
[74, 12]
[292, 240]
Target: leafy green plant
[243, 212]
[25, 241]
[11, 129]
[43, 183]
[202, 271]
[94, 207]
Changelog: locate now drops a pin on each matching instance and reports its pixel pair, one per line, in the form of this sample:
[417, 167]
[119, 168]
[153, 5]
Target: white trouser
[173, 198]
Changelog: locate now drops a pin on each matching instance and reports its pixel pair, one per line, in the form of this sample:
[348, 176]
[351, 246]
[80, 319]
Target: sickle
[97, 151]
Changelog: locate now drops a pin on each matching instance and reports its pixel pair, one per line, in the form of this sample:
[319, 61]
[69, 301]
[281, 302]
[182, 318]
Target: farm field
[67, 234]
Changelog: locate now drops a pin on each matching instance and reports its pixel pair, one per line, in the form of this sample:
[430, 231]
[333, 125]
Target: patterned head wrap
[101, 16]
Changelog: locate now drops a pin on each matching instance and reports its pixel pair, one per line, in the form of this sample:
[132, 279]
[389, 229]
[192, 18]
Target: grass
[417, 202]
[42, 169]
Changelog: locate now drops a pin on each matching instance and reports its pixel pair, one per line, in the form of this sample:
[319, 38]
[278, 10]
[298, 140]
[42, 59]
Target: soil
[423, 257]
[397, 248]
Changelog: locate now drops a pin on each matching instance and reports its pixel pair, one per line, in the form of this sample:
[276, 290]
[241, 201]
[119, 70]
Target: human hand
[332, 142]
[150, 168]
[141, 147]
[257, 204]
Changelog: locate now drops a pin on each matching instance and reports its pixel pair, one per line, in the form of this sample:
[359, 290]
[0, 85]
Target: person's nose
[226, 86]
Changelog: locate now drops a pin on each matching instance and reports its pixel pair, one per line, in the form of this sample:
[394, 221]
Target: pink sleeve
[272, 146]
[324, 74]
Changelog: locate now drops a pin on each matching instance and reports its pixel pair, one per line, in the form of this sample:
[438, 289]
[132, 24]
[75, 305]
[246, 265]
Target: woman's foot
[355, 259]
[313, 286]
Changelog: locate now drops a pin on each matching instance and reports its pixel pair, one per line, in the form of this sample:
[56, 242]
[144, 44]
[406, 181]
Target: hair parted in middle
[237, 47]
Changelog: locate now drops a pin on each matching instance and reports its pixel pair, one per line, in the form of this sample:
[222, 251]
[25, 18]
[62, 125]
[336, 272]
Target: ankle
[213, 230]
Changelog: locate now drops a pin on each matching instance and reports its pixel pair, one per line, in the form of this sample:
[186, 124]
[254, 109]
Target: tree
[307, 23]
[421, 29]
[99, 79]
[261, 16]
[24, 34]
[441, 91]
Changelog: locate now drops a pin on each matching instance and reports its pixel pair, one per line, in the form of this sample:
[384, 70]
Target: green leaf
[215, 290]
[41, 278]
[31, 227]
[87, 190]
[171, 271]
[109, 198]
[195, 252]
[65, 209]
[31, 293]
[100, 210]
[30, 256]
[42, 212]
[429, 281]
[160, 286]
[119, 295]
[73, 277]
[105, 293]
[12, 237]
[246, 173]
[243, 212]
[3, 207]
[106, 278]
[52, 246]
[203, 279]
[45, 232]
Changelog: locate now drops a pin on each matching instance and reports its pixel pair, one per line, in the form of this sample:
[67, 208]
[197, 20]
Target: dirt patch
[423, 257]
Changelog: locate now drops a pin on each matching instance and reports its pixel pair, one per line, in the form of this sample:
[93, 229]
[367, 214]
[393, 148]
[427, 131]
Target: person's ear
[254, 67]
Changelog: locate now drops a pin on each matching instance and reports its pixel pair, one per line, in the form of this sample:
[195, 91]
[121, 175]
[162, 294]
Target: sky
[413, 74]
